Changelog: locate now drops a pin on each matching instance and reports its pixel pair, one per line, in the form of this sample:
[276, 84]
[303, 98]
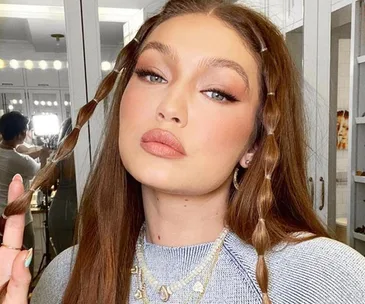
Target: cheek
[227, 134]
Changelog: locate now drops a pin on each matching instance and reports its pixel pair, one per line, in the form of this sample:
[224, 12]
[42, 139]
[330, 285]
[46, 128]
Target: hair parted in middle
[273, 201]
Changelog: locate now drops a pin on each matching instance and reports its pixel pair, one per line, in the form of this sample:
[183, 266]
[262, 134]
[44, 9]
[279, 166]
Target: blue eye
[150, 76]
[220, 96]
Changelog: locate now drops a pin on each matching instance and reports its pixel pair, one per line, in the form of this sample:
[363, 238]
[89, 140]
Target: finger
[14, 226]
[18, 287]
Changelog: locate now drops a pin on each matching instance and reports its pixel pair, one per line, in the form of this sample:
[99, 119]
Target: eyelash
[141, 73]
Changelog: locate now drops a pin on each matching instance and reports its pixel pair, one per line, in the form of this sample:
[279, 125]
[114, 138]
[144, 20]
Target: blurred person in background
[63, 210]
[28, 147]
[13, 129]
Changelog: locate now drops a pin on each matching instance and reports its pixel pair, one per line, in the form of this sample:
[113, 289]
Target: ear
[247, 158]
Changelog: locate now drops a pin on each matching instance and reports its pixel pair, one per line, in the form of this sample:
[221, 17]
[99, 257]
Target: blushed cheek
[230, 138]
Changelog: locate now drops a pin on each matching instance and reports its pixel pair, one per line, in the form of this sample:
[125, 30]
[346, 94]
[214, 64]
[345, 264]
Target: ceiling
[19, 23]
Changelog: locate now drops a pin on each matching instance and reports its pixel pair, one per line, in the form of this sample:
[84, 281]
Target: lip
[162, 143]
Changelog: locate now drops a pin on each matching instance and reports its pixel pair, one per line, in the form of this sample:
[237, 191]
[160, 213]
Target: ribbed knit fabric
[319, 271]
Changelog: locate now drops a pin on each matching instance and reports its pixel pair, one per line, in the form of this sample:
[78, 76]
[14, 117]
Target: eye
[149, 76]
[220, 96]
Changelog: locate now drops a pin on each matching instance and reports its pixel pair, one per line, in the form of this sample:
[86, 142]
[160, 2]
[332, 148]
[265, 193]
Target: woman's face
[189, 109]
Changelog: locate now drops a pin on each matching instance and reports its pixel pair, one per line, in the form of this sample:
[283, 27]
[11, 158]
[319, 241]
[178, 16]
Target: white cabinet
[258, 5]
[275, 10]
[320, 110]
[13, 100]
[337, 4]
[294, 14]
[11, 77]
[45, 101]
[42, 78]
[356, 173]
[63, 76]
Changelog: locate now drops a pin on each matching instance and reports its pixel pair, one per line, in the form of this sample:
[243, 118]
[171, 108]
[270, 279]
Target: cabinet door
[258, 5]
[13, 100]
[276, 12]
[63, 75]
[321, 110]
[294, 14]
[42, 78]
[11, 77]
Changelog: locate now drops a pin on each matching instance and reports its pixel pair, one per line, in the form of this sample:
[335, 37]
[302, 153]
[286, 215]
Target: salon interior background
[53, 54]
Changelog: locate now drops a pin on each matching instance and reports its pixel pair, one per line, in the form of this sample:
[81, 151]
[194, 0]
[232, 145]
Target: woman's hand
[14, 273]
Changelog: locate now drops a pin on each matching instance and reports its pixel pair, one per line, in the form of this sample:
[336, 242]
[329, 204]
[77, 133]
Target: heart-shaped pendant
[198, 287]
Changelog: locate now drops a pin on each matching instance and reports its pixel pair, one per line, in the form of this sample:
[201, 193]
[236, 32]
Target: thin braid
[67, 146]
[21, 204]
[271, 115]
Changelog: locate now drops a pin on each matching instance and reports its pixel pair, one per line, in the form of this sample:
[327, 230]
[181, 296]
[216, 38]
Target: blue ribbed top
[319, 271]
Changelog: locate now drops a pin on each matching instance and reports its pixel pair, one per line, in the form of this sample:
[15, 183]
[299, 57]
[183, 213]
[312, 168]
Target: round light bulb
[2, 64]
[66, 103]
[20, 101]
[55, 103]
[28, 64]
[57, 65]
[106, 66]
[36, 102]
[49, 103]
[15, 101]
[14, 63]
[11, 107]
[43, 64]
[43, 103]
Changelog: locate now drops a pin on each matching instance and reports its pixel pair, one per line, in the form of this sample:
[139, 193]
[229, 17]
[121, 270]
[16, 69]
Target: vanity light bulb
[43, 103]
[14, 63]
[57, 65]
[2, 64]
[28, 64]
[49, 103]
[36, 102]
[43, 64]
[55, 103]
[11, 107]
[20, 101]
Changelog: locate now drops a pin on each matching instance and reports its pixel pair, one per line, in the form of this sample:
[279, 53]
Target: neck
[176, 220]
[8, 144]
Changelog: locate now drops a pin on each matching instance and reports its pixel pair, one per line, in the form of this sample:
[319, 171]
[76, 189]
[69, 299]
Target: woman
[203, 199]
[62, 213]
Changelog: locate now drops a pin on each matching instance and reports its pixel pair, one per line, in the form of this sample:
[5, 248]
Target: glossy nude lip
[162, 143]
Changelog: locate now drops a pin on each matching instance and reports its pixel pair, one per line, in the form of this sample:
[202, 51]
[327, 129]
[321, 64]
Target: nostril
[175, 119]
[161, 115]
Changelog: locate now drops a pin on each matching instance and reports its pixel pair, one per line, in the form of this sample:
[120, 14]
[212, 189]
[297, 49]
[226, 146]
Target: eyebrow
[205, 62]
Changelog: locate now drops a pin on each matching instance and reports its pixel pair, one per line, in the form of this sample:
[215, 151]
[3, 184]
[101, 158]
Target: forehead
[197, 36]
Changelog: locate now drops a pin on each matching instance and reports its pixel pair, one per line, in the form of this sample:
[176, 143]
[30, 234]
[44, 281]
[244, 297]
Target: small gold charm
[164, 293]
[198, 287]
[134, 270]
[138, 295]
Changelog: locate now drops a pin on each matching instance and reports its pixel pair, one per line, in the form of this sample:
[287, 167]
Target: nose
[173, 109]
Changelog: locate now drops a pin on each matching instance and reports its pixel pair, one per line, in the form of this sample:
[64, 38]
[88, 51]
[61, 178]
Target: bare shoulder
[53, 282]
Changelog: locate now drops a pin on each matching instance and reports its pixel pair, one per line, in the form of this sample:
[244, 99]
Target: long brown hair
[273, 200]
